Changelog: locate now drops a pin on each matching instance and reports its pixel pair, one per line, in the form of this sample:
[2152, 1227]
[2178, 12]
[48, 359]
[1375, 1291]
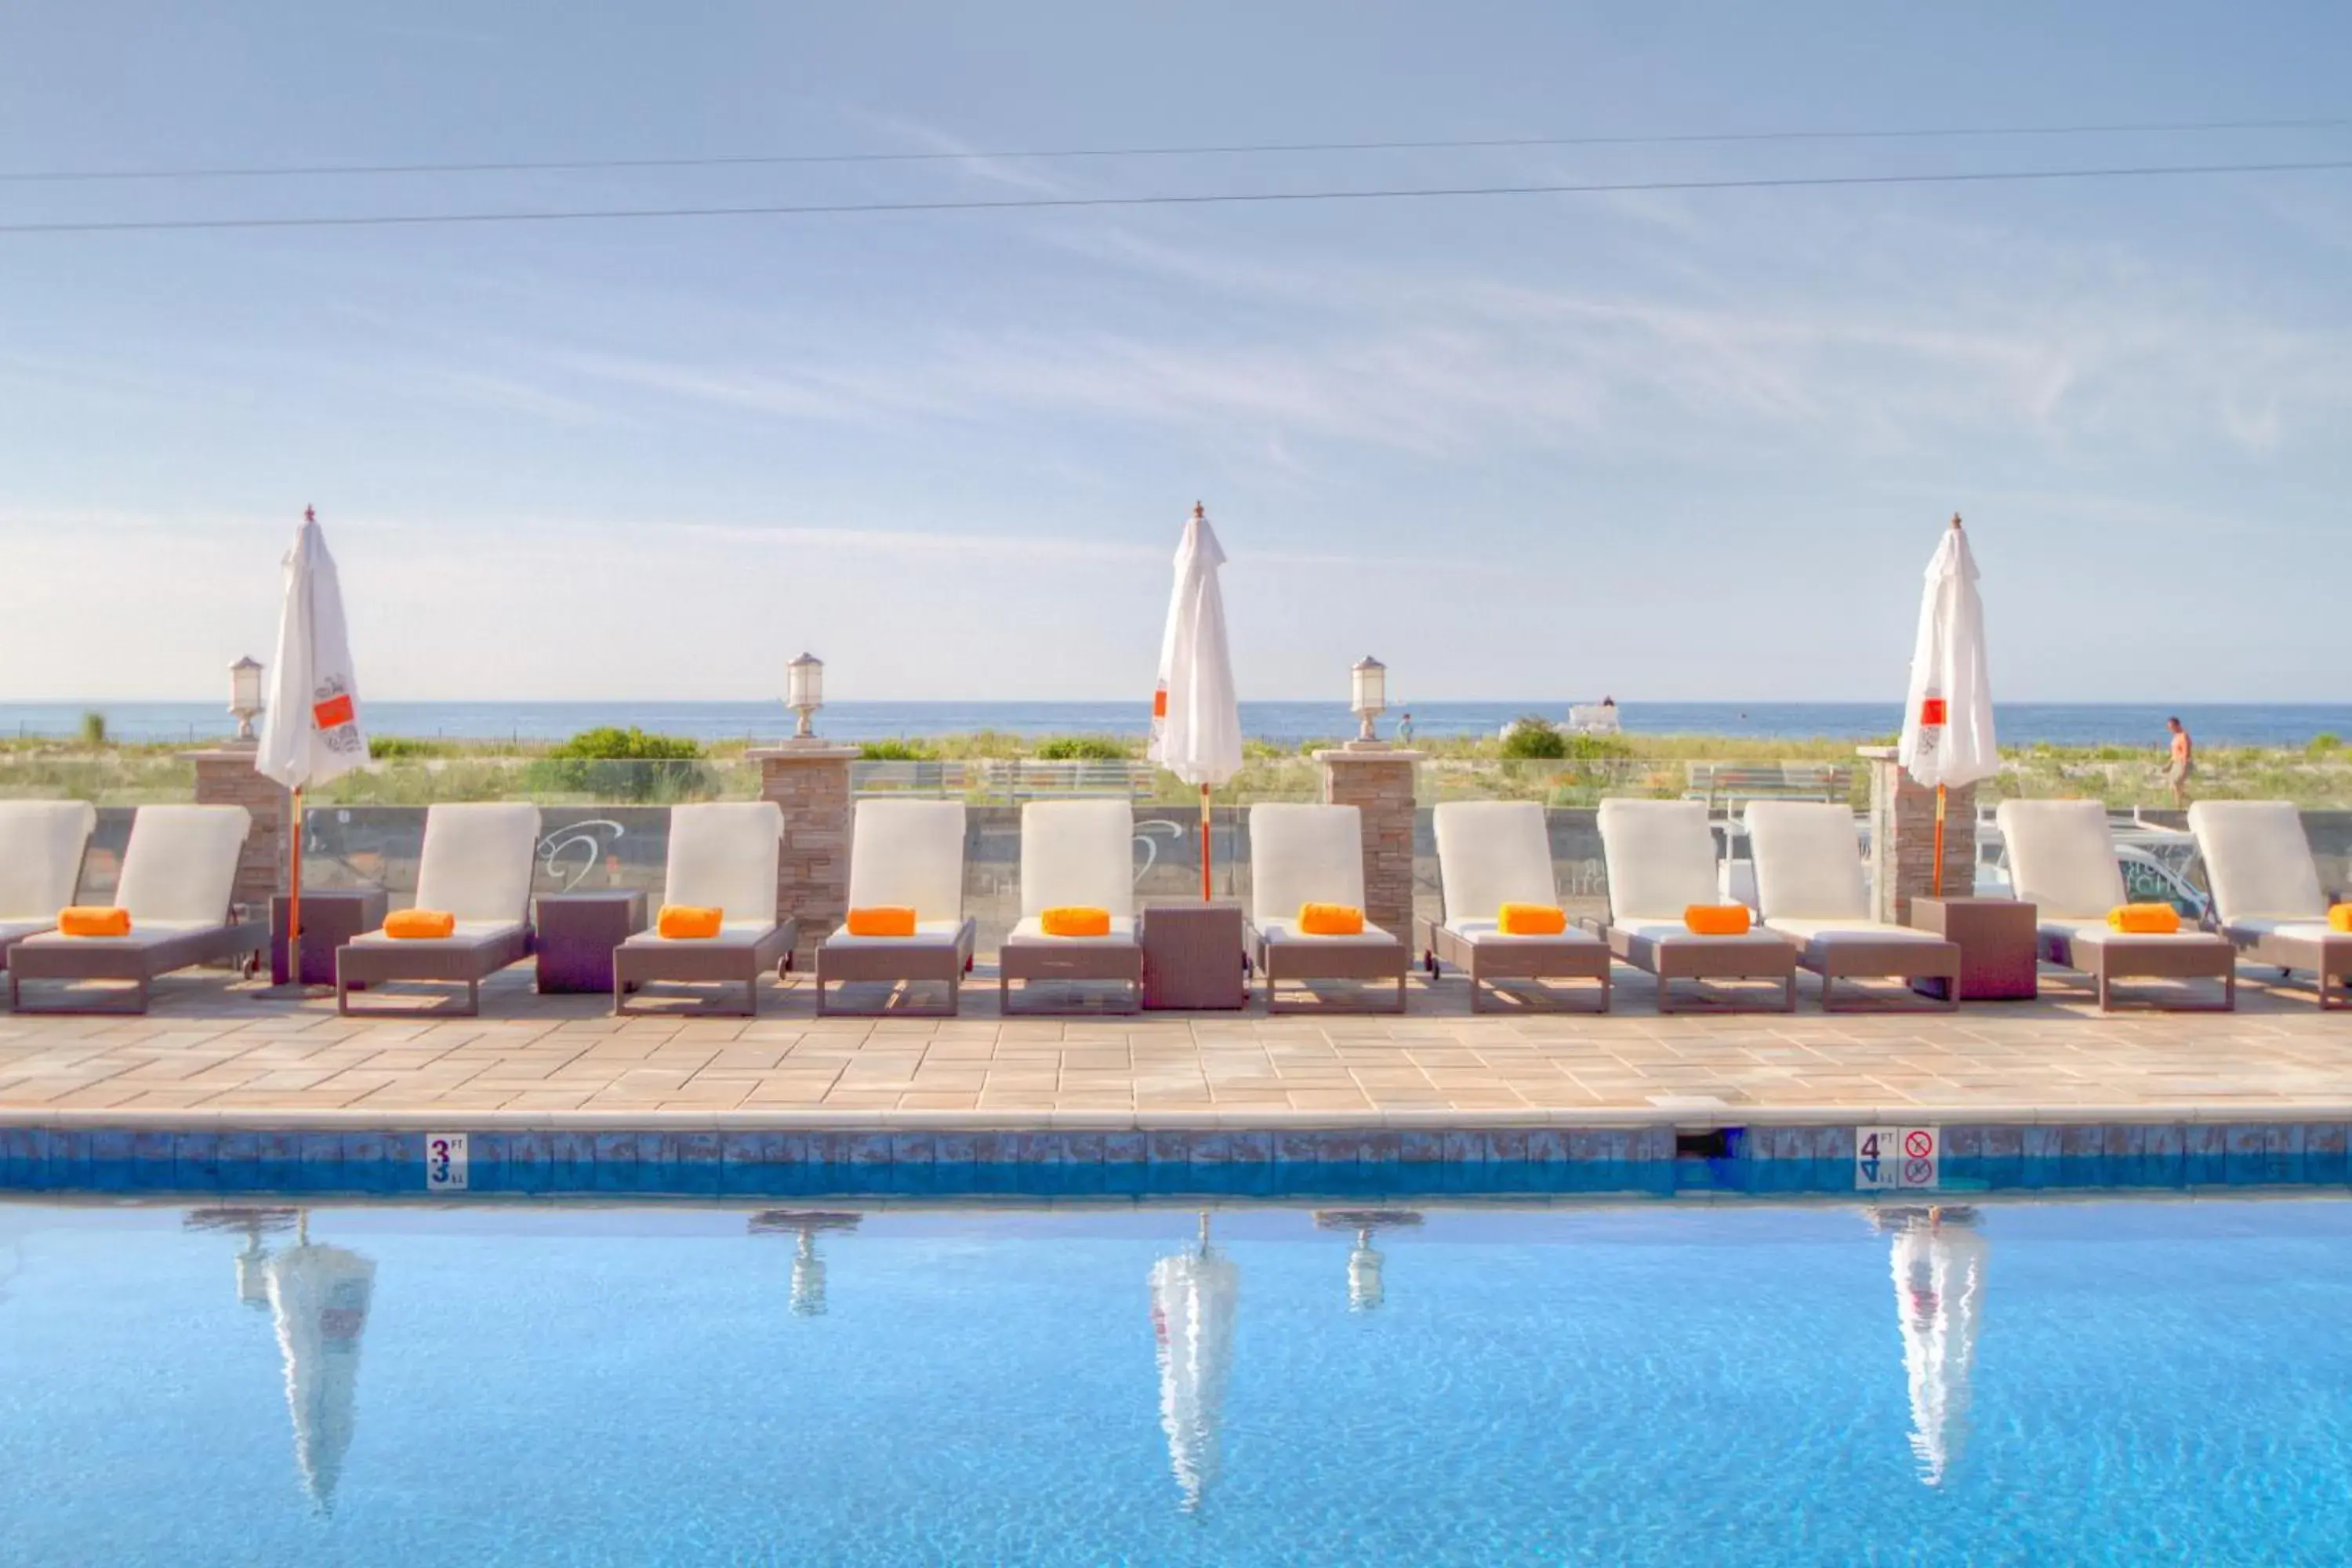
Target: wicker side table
[1193, 956]
[330, 917]
[577, 933]
[1997, 938]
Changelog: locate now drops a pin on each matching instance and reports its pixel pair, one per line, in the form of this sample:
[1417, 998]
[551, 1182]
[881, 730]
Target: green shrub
[1080, 748]
[632, 744]
[1595, 748]
[895, 751]
[610, 763]
[2323, 743]
[93, 729]
[403, 748]
[1535, 739]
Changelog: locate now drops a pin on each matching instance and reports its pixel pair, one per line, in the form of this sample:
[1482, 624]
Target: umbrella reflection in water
[1193, 1298]
[318, 1298]
[808, 1268]
[252, 1281]
[1939, 1265]
[1366, 1291]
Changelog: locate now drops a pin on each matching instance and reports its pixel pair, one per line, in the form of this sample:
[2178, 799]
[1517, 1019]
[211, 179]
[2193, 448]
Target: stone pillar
[810, 780]
[1903, 837]
[1377, 781]
[227, 777]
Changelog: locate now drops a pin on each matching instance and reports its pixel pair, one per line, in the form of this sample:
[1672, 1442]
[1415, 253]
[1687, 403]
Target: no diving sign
[1889, 1159]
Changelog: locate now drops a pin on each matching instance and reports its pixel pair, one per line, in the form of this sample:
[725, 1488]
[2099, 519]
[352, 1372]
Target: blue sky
[1666, 445]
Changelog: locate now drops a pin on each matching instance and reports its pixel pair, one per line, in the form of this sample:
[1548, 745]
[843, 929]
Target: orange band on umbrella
[333, 713]
[1931, 711]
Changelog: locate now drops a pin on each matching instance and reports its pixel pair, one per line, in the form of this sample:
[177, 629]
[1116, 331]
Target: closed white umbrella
[320, 1298]
[1938, 1265]
[310, 731]
[1193, 1298]
[1948, 723]
[1196, 719]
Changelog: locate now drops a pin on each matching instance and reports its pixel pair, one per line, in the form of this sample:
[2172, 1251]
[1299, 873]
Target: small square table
[1193, 956]
[331, 918]
[1998, 943]
[577, 933]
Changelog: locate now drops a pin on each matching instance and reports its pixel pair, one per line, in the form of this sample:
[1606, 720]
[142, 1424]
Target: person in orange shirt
[2183, 761]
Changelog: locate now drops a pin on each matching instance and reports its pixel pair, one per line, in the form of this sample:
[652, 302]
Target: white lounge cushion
[1477, 931]
[2258, 860]
[144, 934]
[1810, 931]
[1808, 861]
[1661, 929]
[477, 861]
[181, 865]
[1280, 928]
[1029, 929]
[731, 933]
[41, 847]
[1078, 853]
[2095, 934]
[2300, 931]
[1491, 853]
[467, 933]
[17, 931]
[909, 853]
[2062, 857]
[1304, 855]
[928, 933]
[723, 857]
[1661, 859]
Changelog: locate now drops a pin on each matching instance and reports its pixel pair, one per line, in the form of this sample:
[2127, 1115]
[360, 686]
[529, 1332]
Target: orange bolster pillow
[1717, 919]
[1330, 920]
[688, 922]
[90, 920]
[1531, 920]
[2339, 918]
[1075, 919]
[419, 925]
[883, 919]
[2145, 920]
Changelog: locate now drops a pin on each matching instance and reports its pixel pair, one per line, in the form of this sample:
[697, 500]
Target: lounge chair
[907, 853]
[42, 843]
[2061, 859]
[1314, 854]
[1491, 853]
[476, 865]
[1810, 888]
[179, 873]
[721, 856]
[2266, 891]
[1074, 852]
[1661, 859]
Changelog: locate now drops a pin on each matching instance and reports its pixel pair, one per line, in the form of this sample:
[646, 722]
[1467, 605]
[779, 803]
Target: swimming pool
[2026, 1382]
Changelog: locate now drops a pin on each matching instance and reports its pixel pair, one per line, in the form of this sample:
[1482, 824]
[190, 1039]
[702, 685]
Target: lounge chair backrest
[41, 847]
[2258, 860]
[908, 852]
[1078, 852]
[477, 860]
[1305, 854]
[1491, 853]
[2062, 857]
[1660, 855]
[723, 856]
[181, 863]
[1808, 861]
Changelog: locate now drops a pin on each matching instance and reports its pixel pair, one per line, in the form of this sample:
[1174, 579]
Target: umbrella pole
[1205, 843]
[1940, 841]
[294, 902]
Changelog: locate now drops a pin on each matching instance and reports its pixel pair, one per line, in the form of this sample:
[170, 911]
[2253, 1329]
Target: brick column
[227, 777]
[1377, 781]
[810, 780]
[1903, 837]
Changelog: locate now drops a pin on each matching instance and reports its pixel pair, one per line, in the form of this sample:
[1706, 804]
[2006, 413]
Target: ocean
[2018, 724]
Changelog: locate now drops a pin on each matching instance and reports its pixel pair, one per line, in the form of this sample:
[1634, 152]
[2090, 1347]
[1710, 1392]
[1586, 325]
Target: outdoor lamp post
[1371, 694]
[244, 695]
[805, 689]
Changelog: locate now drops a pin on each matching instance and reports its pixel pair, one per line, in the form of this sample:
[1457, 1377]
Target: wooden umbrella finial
[1200, 514]
[1956, 520]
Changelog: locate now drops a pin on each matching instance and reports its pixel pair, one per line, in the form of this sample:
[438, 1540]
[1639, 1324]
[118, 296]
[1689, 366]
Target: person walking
[1404, 729]
[2182, 763]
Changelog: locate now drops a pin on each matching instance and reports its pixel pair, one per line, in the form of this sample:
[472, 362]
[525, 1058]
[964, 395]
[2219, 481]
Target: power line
[761, 159]
[1014, 204]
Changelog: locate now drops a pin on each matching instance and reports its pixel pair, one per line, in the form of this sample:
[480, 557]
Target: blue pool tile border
[1978, 1157]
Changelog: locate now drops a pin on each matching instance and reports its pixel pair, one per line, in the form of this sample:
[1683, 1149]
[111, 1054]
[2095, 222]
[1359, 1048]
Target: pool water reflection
[2072, 1382]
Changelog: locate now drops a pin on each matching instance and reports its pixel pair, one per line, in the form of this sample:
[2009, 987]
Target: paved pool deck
[212, 1053]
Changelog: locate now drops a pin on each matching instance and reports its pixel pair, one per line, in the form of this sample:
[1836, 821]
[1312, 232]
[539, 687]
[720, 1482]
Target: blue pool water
[2081, 1381]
